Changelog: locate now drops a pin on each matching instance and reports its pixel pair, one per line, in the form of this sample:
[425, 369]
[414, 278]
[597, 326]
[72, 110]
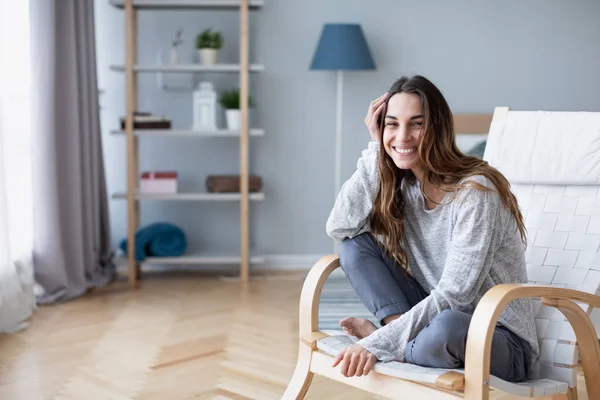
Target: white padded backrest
[545, 146]
[563, 233]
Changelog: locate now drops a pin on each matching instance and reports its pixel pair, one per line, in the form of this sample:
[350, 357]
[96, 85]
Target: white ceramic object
[174, 56]
[208, 56]
[233, 118]
[205, 107]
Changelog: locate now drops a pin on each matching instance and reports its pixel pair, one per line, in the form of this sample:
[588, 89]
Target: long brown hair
[444, 165]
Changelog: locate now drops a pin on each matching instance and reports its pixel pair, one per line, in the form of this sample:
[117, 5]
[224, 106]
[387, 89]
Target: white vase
[208, 56]
[174, 56]
[233, 118]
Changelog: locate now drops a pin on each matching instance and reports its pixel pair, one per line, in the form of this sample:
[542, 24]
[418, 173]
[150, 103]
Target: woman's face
[403, 128]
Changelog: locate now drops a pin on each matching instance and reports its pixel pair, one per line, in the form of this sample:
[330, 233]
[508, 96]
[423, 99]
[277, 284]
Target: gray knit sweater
[456, 251]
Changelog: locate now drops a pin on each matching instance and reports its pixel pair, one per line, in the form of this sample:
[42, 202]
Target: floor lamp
[341, 47]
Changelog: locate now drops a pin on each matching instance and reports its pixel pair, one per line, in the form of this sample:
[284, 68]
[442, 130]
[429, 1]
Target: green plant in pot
[208, 44]
[230, 101]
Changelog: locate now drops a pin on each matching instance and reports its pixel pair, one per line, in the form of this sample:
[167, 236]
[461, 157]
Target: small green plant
[208, 39]
[230, 99]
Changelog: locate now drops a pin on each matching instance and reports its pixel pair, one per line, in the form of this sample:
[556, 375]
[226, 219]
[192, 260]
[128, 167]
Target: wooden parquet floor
[179, 336]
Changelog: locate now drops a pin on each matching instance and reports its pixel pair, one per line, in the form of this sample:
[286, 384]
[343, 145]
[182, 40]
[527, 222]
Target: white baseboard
[292, 262]
[287, 262]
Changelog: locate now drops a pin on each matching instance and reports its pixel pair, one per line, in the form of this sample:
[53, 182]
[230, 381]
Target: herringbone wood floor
[180, 336]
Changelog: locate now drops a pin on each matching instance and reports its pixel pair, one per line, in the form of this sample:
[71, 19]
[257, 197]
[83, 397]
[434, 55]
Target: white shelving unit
[191, 196]
[190, 133]
[131, 69]
[233, 68]
[193, 4]
[208, 259]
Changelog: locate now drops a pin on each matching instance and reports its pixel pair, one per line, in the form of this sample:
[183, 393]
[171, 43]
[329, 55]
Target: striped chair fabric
[563, 227]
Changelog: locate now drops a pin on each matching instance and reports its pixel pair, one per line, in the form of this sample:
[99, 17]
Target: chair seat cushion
[338, 340]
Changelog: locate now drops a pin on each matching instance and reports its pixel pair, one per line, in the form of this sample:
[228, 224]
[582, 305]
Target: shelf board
[188, 68]
[196, 259]
[189, 133]
[187, 4]
[191, 196]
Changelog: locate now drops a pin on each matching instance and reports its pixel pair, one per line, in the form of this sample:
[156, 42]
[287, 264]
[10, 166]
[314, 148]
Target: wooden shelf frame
[132, 69]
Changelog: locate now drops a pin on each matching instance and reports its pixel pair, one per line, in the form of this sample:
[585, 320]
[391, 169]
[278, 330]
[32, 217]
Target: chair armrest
[311, 293]
[487, 312]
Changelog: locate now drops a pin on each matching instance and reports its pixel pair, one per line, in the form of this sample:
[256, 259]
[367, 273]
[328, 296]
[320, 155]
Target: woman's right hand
[372, 119]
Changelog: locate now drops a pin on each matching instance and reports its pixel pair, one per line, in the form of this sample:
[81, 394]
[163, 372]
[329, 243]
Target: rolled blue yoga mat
[160, 239]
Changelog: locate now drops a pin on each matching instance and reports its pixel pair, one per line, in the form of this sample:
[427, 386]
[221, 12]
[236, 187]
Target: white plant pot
[208, 56]
[233, 118]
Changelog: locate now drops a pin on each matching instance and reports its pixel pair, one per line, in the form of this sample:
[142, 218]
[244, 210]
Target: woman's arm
[477, 228]
[354, 203]
[350, 214]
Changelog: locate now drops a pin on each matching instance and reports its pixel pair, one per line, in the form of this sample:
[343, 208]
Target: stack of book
[144, 120]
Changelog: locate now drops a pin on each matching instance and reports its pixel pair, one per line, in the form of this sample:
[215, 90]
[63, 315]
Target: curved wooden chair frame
[474, 384]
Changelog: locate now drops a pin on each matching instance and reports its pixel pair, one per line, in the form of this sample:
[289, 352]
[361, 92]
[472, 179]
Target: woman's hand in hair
[355, 361]
[373, 116]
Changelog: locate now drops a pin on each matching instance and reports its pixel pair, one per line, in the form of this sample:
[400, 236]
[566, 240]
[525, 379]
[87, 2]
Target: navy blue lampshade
[342, 47]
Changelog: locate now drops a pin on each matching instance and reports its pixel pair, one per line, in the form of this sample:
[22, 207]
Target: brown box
[231, 183]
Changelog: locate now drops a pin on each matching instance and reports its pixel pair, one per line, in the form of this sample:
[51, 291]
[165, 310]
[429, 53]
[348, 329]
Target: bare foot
[359, 327]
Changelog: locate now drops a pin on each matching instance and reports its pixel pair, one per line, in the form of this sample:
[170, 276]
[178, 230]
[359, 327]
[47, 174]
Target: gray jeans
[385, 290]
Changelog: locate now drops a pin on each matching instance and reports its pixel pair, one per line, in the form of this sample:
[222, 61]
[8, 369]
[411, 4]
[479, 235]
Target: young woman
[425, 232]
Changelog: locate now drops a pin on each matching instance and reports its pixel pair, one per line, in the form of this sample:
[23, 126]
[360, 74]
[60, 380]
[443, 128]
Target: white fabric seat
[335, 343]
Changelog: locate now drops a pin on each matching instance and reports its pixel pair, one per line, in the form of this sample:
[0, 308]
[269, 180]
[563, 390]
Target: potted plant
[230, 101]
[208, 44]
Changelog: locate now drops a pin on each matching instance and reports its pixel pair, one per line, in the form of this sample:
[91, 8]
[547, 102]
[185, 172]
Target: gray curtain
[71, 229]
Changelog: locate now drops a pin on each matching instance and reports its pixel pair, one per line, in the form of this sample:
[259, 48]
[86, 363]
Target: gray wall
[535, 54]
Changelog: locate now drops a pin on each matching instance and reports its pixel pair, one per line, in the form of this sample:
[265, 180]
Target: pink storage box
[158, 182]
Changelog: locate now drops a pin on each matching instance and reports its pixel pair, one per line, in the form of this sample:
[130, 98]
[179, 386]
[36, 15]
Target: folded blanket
[158, 240]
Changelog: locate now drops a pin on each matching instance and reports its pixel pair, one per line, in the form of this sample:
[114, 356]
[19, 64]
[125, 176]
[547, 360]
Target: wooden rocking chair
[563, 263]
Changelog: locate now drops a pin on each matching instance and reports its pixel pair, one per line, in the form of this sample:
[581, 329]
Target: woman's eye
[391, 124]
[417, 124]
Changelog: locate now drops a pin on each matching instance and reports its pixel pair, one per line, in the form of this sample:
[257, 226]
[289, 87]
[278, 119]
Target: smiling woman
[16, 239]
[406, 221]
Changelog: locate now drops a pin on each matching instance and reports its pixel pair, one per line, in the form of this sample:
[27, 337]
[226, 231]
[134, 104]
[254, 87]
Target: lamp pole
[338, 141]
[338, 133]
